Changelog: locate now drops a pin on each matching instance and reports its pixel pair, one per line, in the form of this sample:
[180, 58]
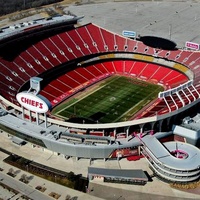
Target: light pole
[170, 31]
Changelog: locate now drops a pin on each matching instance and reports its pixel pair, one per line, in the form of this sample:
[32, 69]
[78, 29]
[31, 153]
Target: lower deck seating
[146, 71]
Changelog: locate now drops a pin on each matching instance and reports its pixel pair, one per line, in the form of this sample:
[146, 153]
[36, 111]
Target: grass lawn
[116, 99]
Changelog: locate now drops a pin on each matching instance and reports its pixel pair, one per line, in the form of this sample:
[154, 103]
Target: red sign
[192, 45]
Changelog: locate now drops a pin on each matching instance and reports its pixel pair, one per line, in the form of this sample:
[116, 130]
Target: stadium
[86, 92]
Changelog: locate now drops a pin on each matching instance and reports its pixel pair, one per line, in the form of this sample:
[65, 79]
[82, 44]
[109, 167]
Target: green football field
[116, 99]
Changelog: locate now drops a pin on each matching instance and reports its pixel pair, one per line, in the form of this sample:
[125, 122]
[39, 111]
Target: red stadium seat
[89, 40]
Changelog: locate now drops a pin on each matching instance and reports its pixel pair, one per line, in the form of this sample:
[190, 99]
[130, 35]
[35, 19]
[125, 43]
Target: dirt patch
[193, 188]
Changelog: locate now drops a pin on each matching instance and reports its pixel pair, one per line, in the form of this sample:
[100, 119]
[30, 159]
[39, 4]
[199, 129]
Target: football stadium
[86, 92]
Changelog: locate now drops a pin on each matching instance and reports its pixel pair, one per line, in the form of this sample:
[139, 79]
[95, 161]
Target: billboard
[32, 102]
[128, 33]
[35, 83]
[192, 45]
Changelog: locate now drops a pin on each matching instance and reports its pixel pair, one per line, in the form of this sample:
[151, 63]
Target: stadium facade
[61, 59]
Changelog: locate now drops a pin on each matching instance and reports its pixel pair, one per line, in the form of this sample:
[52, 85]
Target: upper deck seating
[97, 38]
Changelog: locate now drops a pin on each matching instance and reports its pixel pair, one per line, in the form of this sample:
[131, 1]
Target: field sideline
[116, 99]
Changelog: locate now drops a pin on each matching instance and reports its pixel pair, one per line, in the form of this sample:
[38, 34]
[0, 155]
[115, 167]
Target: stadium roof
[118, 173]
